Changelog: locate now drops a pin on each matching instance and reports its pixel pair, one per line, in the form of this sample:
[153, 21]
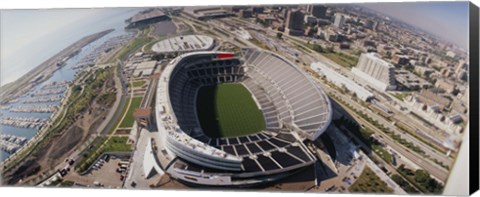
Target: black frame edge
[474, 98]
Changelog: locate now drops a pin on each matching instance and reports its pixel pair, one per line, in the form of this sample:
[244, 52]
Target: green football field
[228, 110]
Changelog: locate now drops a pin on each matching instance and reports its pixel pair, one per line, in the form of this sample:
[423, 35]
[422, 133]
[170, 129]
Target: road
[426, 148]
[110, 119]
[211, 24]
[416, 123]
[116, 110]
[428, 165]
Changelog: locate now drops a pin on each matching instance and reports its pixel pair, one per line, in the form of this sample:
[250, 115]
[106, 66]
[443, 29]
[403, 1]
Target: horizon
[432, 17]
[446, 20]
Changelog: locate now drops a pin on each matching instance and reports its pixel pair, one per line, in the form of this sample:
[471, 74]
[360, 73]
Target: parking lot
[105, 173]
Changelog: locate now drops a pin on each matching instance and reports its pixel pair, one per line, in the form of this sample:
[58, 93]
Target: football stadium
[238, 119]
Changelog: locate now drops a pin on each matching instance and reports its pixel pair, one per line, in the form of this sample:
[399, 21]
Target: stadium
[238, 119]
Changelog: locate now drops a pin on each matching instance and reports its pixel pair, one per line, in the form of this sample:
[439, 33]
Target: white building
[376, 71]
[340, 80]
[451, 54]
[187, 43]
[339, 20]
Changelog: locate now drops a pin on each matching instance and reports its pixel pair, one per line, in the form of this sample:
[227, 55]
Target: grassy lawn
[421, 179]
[129, 119]
[368, 182]
[117, 144]
[149, 46]
[405, 185]
[136, 84]
[258, 43]
[400, 96]
[384, 154]
[342, 59]
[114, 144]
[133, 46]
[228, 110]
[67, 183]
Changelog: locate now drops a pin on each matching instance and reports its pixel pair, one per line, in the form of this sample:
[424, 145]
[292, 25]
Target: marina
[55, 85]
[48, 92]
[22, 122]
[43, 99]
[11, 143]
[110, 44]
[34, 108]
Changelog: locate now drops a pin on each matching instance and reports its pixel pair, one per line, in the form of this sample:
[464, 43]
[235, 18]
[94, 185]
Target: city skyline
[336, 98]
[447, 20]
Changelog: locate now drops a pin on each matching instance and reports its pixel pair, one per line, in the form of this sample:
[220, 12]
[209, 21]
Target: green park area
[368, 182]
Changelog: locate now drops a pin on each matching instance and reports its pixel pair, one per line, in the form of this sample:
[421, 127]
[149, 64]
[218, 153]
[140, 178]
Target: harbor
[40, 101]
[22, 122]
[11, 143]
[34, 108]
[55, 85]
[92, 58]
[48, 92]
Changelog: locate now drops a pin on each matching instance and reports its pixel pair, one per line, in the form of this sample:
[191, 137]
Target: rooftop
[184, 43]
[148, 15]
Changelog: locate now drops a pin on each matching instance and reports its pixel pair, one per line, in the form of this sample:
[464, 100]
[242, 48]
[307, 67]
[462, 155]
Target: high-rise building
[258, 9]
[310, 20]
[339, 20]
[461, 70]
[369, 24]
[318, 11]
[462, 65]
[294, 25]
[246, 13]
[376, 71]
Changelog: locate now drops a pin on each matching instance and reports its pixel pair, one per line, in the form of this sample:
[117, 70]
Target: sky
[29, 37]
[449, 20]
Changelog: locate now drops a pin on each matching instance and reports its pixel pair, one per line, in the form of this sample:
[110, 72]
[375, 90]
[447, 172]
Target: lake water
[103, 20]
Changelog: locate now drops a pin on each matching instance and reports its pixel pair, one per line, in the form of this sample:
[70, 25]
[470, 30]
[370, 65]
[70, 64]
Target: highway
[436, 171]
[426, 148]
[405, 118]
[210, 25]
[430, 166]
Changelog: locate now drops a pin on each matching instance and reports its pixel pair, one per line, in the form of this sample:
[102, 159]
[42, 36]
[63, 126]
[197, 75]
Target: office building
[376, 71]
[339, 20]
[318, 11]
[294, 25]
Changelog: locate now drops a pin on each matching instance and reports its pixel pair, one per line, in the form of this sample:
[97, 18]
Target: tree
[421, 176]
[279, 35]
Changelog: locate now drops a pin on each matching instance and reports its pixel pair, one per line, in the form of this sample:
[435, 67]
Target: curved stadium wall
[294, 107]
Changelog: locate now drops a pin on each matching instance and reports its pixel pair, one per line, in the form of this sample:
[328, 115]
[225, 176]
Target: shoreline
[46, 69]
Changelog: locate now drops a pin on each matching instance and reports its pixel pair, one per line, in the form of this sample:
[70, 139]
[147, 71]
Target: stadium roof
[184, 44]
[145, 16]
